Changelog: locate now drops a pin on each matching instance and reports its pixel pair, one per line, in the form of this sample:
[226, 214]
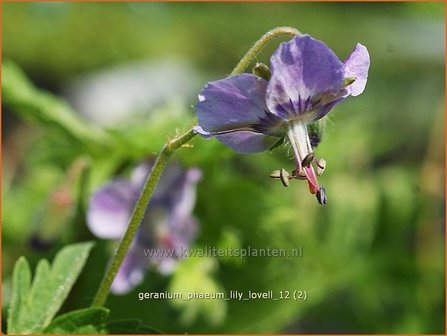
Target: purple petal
[185, 193]
[303, 70]
[181, 226]
[183, 231]
[174, 203]
[232, 103]
[171, 221]
[167, 266]
[357, 65]
[131, 272]
[168, 186]
[247, 142]
[110, 208]
[175, 242]
[179, 203]
[244, 142]
[140, 173]
[328, 107]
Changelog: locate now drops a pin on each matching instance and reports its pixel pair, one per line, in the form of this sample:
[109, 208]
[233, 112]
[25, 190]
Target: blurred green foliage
[373, 257]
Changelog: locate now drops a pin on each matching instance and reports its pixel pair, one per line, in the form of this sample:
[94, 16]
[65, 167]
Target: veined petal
[231, 103]
[323, 110]
[357, 65]
[247, 142]
[110, 208]
[183, 231]
[184, 198]
[303, 70]
[168, 187]
[170, 178]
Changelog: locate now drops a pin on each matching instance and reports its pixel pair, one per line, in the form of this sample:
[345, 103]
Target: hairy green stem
[137, 215]
[158, 168]
[260, 44]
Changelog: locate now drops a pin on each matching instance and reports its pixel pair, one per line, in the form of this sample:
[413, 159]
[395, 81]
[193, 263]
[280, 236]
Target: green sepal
[277, 144]
[315, 131]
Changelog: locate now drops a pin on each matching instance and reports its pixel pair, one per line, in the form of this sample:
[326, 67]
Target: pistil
[299, 139]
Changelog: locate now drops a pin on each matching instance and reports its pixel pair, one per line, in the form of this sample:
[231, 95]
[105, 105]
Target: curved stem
[260, 44]
[137, 215]
[158, 168]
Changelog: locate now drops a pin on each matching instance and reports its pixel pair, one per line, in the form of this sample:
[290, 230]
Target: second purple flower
[168, 228]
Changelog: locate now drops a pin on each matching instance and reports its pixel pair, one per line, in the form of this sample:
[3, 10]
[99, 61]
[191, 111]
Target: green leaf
[79, 321]
[129, 326]
[21, 281]
[33, 309]
[93, 321]
[37, 105]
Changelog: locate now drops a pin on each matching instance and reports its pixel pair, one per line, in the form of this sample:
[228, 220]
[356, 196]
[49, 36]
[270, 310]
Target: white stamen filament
[299, 139]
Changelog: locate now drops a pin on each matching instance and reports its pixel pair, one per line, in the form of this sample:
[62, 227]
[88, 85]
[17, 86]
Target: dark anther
[308, 159]
[321, 196]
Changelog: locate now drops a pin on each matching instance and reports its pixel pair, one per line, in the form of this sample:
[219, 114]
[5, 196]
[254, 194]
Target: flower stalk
[137, 215]
[261, 44]
[151, 182]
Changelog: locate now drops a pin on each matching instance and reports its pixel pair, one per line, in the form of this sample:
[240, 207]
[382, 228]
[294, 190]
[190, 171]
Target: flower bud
[262, 70]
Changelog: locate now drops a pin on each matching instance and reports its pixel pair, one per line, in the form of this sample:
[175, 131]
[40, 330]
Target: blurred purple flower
[168, 227]
[251, 114]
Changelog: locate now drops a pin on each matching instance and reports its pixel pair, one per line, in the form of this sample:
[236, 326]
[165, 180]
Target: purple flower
[251, 114]
[168, 227]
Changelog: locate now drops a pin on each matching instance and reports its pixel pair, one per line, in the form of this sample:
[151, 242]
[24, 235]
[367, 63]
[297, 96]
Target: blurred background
[373, 258]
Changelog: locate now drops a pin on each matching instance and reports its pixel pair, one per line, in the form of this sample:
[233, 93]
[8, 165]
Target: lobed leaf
[32, 309]
[21, 282]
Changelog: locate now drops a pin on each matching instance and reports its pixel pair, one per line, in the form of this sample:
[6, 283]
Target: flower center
[299, 139]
